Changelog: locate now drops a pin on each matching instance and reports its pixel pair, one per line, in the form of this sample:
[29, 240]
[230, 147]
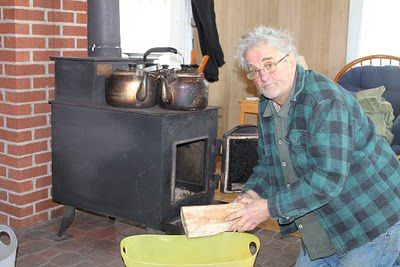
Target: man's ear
[292, 62]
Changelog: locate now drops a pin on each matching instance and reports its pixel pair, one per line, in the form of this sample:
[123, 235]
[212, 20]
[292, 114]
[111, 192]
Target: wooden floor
[269, 224]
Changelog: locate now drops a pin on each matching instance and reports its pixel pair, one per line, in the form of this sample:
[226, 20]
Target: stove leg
[68, 217]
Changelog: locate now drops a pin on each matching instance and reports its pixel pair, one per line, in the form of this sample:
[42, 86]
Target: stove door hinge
[217, 156]
[218, 147]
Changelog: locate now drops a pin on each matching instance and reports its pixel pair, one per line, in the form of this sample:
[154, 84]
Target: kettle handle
[141, 93]
[166, 96]
[159, 50]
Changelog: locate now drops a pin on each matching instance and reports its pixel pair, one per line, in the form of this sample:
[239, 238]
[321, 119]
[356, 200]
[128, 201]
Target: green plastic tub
[224, 249]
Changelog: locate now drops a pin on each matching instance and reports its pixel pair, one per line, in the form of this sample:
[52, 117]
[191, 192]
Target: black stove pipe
[103, 28]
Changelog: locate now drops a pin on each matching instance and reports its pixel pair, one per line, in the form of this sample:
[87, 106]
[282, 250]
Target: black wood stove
[138, 164]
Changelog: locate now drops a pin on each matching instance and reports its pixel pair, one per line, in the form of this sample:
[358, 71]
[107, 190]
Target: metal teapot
[138, 85]
[184, 89]
[135, 87]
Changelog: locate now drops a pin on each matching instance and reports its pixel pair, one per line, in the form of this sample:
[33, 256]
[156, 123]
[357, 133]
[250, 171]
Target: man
[322, 167]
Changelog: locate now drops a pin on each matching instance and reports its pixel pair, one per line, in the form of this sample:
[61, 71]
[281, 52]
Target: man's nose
[264, 75]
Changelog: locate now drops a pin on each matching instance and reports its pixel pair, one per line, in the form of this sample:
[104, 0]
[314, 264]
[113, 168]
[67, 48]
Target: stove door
[239, 157]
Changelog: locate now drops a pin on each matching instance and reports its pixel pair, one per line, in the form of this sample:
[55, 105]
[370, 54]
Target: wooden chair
[372, 60]
[371, 72]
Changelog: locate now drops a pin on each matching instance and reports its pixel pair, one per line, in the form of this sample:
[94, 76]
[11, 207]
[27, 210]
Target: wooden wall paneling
[338, 37]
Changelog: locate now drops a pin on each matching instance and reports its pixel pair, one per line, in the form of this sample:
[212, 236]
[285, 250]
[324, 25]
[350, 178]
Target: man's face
[275, 85]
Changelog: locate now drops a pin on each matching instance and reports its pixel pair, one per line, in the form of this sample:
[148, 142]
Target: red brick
[41, 108]
[45, 205]
[16, 136]
[75, 53]
[4, 219]
[43, 82]
[56, 16]
[82, 43]
[24, 42]
[42, 158]
[28, 197]
[16, 83]
[51, 68]
[16, 162]
[28, 69]
[14, 28]
[19, 150]
[26, 123]
[55, 213]
[61, 43]
[43, 182]
[3, 195]
[53, 4]
[42, 133]
[16, 186]
[74, 5]
[17, 211]
[74, 31]
[15, 110]
[40, 29]
[45, 55]
[29, 221]
[2, 169]
[23, 14]
[27, 173]
[13, 56]
[81, 18]
[14, 2]
[51, 94]
[21, 97]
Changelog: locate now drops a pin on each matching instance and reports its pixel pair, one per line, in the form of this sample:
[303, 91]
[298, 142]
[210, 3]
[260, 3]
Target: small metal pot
[185, 89]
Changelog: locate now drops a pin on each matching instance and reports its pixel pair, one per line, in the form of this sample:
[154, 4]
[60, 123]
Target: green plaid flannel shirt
[348, 175]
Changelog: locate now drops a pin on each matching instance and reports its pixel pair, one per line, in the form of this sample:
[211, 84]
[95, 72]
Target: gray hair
[280, 40]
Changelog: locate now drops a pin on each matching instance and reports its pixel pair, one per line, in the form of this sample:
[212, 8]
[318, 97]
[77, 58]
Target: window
[373, 28]
[152, 23]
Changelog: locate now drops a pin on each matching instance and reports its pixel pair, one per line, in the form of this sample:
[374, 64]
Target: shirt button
[283, 163]
[288, 186]
[300, 226]
[280, 141]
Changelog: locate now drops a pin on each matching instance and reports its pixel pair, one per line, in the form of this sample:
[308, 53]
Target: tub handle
[123, 254]
[253, 248]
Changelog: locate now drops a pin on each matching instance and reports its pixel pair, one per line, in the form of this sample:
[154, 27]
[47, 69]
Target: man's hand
[247, 218]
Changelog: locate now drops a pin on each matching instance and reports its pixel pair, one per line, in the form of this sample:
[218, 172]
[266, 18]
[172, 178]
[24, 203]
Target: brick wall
[30, 32]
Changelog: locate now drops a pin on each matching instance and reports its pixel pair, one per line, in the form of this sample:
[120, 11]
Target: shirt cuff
[274, 212]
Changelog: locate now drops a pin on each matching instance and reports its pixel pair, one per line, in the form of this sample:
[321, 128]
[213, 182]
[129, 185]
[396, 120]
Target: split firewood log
[207, 220]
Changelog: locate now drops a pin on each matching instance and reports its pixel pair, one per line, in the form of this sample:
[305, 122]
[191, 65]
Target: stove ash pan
[239, 157]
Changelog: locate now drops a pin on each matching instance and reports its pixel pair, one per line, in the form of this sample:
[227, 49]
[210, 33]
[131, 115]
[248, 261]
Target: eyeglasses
[268, 67]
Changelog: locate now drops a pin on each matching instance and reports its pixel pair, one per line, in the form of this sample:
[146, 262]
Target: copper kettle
[184, 89]
[135, 87]
[138, 85]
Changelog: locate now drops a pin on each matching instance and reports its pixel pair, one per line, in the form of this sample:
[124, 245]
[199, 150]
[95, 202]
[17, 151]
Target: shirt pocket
[299, 141]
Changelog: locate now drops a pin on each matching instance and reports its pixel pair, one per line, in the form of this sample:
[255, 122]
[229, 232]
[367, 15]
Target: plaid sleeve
[328, 150]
